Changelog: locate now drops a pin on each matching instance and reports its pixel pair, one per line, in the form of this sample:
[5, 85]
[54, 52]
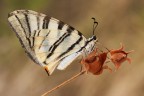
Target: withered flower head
[119, 56]
[95, 63]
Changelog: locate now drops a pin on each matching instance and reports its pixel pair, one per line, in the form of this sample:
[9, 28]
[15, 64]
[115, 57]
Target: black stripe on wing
[71, 47]
[28, 23]
[70, 29]
[58, 42]
[60, 25]
[46, 22]
[38, 22]
[33, 38]
[87, 42]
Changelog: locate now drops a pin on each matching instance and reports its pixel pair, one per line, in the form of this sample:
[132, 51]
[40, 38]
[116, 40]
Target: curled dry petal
[119, 56]
[95, 63]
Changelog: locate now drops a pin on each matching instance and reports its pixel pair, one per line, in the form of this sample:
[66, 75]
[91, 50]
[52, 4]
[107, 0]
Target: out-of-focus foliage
[119, 21]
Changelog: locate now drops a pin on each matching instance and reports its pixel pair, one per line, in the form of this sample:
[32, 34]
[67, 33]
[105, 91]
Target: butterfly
[48, 41]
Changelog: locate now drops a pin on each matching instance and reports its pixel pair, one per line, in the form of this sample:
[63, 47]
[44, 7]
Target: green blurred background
[119, 21]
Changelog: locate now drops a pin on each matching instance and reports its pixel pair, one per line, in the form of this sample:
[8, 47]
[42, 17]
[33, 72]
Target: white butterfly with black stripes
[48, 41]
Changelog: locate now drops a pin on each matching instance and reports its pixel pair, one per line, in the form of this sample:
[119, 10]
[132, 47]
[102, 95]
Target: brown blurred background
[119, 21]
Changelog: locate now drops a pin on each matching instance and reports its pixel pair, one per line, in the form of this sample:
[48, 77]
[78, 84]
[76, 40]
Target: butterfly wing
[47, 41]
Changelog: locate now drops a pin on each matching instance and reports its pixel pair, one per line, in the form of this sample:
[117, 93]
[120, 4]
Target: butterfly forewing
[48, 41]
[24, 23]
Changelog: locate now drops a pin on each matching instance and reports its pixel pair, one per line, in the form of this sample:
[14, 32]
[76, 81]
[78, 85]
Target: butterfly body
[48, 41]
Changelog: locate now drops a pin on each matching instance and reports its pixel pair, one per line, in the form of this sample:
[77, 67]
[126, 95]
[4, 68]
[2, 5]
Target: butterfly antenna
[95, 24]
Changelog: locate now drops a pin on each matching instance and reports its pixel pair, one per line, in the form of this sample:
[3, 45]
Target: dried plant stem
[64, 83]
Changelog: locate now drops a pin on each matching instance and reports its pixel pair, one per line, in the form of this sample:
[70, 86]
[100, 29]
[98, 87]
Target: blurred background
[119, 21]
